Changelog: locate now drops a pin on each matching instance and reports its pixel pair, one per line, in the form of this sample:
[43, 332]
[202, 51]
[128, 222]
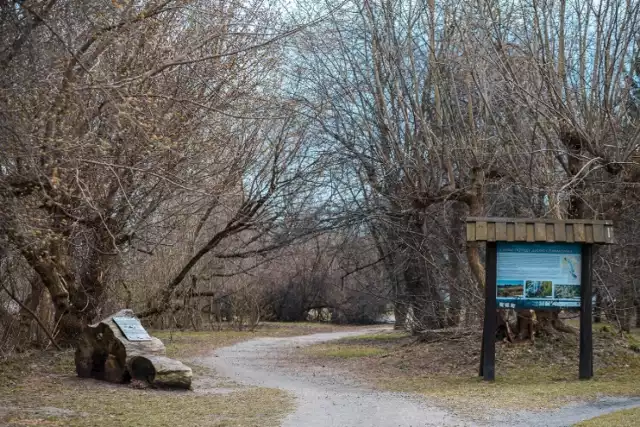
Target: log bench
[105, 353]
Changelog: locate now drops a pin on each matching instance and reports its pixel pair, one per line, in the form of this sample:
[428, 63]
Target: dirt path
[326, 398]
[323, 398]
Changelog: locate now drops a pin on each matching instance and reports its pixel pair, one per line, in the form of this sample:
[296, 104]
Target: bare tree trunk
[26, 313]
[597, 315]
[476, 208]
[400, 313]
[453, 252]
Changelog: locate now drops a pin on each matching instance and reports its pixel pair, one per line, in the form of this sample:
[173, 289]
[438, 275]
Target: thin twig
[35, 316]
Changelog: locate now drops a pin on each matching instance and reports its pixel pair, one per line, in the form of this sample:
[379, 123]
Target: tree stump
[104, 352]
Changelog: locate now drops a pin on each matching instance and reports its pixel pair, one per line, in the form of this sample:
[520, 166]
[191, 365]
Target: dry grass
[181, 344]
[528, 376]
[343, 351]
[391, 336]
[42, 389]
[626, 418]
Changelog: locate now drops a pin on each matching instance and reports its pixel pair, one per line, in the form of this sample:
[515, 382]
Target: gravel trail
[325, 398]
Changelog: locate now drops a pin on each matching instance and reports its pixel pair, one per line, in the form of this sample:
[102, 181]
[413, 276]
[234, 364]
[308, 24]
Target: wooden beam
[490, 313]
[550, 233]
[579, 233]
[588, 233]
[521, 232]
[559, 232]
[471, 232]
[598, 233]
[491, 232]
[531, 233]
[540, 231]
[545, 220]
[586, 325]
[481, 231]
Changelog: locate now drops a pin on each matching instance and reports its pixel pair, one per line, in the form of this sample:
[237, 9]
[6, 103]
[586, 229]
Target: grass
[625, 418]
[42, 389]
[73, 403]
[367, 345]
[528, 387]
[529, 376]
[343, 351]
[182, 344]
[382, 336]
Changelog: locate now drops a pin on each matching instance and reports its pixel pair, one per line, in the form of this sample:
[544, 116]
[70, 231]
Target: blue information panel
[132, 329]
[538, 275]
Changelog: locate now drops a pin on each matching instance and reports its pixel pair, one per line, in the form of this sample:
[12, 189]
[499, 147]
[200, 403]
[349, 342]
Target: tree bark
[453, 251]
[160, 371]
[104, 353]
[400, 313]
[27, 313]
[476, 208]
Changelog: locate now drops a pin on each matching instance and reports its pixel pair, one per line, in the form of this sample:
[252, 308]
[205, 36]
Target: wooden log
[160, 371]
[104, 352]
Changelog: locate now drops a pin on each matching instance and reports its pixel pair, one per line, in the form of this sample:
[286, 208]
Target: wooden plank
[550, 233]
[481, 231]
[491, 232]
[598, 233]
[541, 231]
[559, 232]
[608, 235]
[471, 232]
[511, 232]
[588, 233]
[521, 231]
[501, 231]
[569, 233]
[546, 220]
[531, 234]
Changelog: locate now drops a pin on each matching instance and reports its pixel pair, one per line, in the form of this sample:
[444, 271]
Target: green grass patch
[382, 336]
[343, 351]
[625, 418]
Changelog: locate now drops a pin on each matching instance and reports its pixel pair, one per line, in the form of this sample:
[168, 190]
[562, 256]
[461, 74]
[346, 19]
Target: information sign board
[132, 329]
[538, 275]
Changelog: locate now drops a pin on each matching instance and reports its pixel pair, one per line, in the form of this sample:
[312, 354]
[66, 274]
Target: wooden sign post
[538, 264]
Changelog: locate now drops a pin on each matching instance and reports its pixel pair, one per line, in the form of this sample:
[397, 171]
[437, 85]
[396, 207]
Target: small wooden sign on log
[132, 328]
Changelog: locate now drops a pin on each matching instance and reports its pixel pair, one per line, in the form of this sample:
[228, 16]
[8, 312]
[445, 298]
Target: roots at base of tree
[526, 325]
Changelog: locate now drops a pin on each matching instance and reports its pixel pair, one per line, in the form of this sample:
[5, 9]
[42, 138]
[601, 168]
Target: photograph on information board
[538, 275]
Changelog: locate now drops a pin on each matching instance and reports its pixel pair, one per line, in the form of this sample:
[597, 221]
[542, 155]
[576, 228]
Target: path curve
[325, 398]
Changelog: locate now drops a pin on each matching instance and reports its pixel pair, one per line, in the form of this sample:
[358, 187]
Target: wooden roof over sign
[539, 230]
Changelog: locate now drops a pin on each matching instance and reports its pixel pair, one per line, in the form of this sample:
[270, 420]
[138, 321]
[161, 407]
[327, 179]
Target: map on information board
[538, 275]
[132, 328]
